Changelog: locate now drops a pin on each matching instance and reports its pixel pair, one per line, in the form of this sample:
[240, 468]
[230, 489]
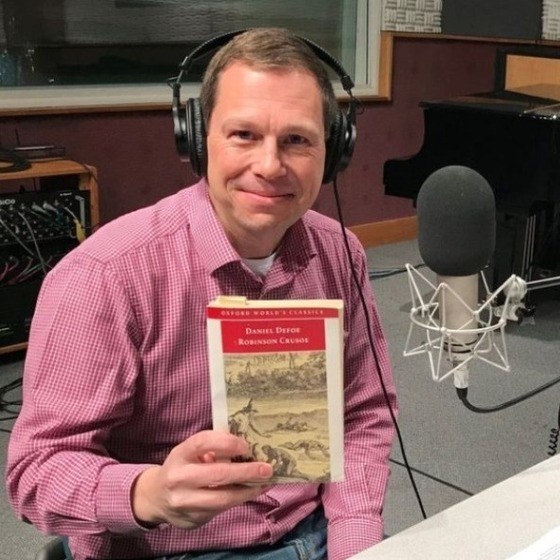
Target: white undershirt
[260, 266]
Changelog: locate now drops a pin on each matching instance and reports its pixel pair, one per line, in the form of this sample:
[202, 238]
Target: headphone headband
[220, 40]
[189, 126]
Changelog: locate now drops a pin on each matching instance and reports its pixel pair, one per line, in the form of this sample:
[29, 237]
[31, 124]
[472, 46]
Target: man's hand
[198, 481]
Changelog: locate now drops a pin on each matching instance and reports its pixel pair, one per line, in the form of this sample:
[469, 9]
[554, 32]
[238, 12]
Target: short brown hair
[268, 48]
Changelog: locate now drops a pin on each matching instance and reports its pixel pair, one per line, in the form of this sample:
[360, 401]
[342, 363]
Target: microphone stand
[517, 289]
[543, 283]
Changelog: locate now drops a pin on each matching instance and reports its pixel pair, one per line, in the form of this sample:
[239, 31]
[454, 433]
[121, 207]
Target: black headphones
[189, 128]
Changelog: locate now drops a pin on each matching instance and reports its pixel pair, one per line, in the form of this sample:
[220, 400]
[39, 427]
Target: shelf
[86, 180]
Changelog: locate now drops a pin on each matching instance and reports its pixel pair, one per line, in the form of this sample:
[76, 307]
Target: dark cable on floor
[7, 406]
[434, 478]
[384, 273]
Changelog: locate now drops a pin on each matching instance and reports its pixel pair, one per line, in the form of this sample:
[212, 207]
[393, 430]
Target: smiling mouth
[268, 196]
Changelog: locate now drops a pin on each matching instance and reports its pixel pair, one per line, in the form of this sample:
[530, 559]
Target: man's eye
[296, 140]
[243, 134]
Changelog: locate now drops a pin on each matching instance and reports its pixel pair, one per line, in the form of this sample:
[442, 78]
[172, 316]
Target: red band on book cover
[273, 335]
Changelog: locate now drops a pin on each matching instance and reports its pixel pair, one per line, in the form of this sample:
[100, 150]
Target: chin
[265, 222]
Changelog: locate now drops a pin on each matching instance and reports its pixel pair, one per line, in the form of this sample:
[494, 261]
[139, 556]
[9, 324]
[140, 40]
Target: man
[113, 445]
[242, 423]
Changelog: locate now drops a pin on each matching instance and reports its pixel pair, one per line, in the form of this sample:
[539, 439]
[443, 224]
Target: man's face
[266, 153]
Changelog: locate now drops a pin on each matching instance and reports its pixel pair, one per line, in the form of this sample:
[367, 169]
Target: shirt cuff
[350, 536]
[113, 498]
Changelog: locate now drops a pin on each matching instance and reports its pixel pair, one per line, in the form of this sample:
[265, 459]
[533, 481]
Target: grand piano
[511, 136]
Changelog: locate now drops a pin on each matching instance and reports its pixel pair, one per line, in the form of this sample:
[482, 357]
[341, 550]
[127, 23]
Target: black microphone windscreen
[456, 221]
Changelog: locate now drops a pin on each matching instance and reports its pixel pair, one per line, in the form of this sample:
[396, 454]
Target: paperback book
[276, 373]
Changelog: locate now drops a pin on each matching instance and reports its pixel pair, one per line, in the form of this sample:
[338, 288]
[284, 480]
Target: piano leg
[525, 244]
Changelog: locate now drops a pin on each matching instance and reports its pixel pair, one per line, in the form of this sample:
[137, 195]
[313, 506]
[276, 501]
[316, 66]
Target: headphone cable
[372, 346]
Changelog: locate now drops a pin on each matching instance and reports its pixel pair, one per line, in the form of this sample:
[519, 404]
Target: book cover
[276, 373]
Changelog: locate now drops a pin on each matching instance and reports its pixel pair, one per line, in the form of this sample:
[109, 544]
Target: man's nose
[269, 161]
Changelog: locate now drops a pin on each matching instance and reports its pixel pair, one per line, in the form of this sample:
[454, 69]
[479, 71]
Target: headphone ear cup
[195, 134]
[334, 148]
[339, 146]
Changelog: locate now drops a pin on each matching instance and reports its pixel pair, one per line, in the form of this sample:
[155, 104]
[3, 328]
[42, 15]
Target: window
[84, 53]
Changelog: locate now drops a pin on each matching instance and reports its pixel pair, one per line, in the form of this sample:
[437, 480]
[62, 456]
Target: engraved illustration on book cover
[276, 372]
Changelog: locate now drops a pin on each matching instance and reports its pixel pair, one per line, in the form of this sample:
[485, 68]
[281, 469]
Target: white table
[492, 525]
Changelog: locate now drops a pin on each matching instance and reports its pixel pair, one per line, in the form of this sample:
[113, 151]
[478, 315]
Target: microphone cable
[372, 347]
[16, 237]
[35, 243]
[10, 265]
[6, 270]
[24, 269]
[462, 393]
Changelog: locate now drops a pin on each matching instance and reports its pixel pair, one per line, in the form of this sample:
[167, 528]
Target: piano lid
[527, 84]
[544, 91]
[523, 102]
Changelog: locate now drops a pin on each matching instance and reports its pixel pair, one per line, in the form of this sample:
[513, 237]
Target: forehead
[243, 87]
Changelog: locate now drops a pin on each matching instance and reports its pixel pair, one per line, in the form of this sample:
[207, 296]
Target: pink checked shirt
[116, 375]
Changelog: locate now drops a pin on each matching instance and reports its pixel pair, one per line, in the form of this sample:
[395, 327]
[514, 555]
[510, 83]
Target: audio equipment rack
[45, 211]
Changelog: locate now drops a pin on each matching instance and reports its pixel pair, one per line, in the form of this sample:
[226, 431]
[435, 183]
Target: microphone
[456, 237]
[456, 221]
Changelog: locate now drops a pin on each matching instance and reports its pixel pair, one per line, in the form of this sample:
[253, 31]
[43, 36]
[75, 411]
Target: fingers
[204, 460]
[201, 446]
[215, 475]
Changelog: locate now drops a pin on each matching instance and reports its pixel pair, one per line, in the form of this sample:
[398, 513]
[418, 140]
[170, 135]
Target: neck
[256, 247]
[256, 253]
